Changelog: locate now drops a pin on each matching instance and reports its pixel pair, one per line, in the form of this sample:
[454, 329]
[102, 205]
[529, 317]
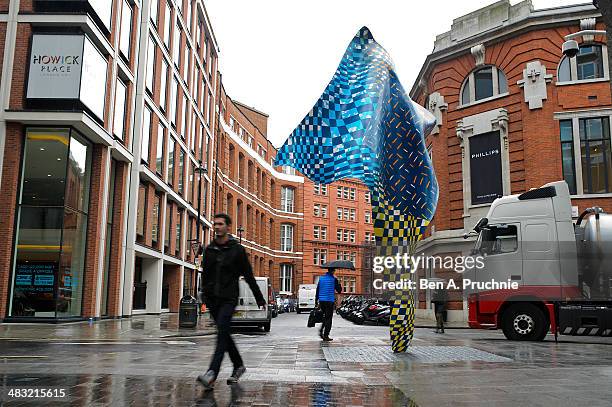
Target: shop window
[52, 225]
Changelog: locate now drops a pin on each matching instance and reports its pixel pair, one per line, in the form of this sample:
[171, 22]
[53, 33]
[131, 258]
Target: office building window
[150, 75]
[178, 241]
[286, 237]
[170, 174]
[126, 29]
[154, 6]
[174, 91]
[590, 167]
[320, 256]
[142, 210]
[163, 85]
[286, 277]
[146, 135]
[159, 153]
[176, 45]
[483, 83]
[287, 199]
[155, 221]
[120, 104]
[167, 25]
[590, 63]
[181, 169]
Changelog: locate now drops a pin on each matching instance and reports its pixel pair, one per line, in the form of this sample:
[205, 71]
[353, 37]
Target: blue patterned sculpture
[365, 126]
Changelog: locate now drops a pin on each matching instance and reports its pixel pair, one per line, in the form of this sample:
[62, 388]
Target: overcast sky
[278, 55]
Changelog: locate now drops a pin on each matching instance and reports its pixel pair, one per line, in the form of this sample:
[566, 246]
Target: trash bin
[188, 312]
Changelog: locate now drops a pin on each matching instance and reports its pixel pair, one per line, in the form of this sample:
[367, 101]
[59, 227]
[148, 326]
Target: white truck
[306, 297]
[563, 270]
[247, 312]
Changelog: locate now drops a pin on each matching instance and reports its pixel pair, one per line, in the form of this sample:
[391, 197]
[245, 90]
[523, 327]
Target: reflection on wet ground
[87, 390]
[148, 360]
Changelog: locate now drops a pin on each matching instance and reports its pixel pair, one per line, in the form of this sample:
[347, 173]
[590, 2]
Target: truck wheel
[298, 311]
[266, 326]
[524, 322]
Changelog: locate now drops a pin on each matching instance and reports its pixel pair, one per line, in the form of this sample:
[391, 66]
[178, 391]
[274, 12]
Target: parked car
[280, 307]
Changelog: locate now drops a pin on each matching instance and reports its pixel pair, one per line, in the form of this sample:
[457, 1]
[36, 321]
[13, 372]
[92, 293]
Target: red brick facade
[533, 134]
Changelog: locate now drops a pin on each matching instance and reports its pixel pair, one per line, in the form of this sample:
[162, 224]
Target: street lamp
[240, 230]
[195, 243]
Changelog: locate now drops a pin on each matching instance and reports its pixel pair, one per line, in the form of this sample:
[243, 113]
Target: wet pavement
[147, 360]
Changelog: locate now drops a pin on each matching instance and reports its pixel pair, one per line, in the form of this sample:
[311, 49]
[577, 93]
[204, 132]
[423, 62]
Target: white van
[247, 313]
[306, 297]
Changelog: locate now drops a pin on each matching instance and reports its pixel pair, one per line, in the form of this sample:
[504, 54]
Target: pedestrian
[225, 260]
[325, 297]
[440, 301]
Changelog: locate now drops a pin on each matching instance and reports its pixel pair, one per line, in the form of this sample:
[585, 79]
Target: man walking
[440, 301]
[326, 297]
[224, 261]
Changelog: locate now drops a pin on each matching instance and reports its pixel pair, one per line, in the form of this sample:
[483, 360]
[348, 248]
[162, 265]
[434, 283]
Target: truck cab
[530, 240]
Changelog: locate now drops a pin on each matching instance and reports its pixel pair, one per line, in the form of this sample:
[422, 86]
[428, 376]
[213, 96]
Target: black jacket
[222, 267]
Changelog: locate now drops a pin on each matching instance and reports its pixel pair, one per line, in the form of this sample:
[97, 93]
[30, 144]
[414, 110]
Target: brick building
[116, 138]
[107, 125]
[267, 204]
[512, 114]
[338, 225]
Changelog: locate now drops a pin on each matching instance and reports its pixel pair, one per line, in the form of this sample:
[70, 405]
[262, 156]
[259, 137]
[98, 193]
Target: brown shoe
[327, 339]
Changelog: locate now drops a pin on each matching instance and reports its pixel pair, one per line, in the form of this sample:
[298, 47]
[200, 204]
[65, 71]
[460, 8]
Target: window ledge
[591, 196]
[477, 102]
[578, 82]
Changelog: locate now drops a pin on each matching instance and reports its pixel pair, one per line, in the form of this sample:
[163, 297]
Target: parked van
[306, 297]
[247, 313]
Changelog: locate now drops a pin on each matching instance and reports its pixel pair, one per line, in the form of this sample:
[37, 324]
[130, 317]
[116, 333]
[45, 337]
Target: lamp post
[240, 230]
[196, 242]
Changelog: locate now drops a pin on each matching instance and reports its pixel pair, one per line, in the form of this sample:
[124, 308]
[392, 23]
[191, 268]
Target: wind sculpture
[365, 126]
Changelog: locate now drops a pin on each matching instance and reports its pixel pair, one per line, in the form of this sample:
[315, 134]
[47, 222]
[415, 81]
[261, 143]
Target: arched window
[588, 64]
[483, 83]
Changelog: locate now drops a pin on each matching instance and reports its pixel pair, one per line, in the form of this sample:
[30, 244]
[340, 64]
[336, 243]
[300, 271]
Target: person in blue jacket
[326, 299]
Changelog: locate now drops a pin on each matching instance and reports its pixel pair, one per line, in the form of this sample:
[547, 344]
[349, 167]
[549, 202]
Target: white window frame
[287, 199]
[469, 81]
[574, 68]
[286, 237]
[286, 278]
